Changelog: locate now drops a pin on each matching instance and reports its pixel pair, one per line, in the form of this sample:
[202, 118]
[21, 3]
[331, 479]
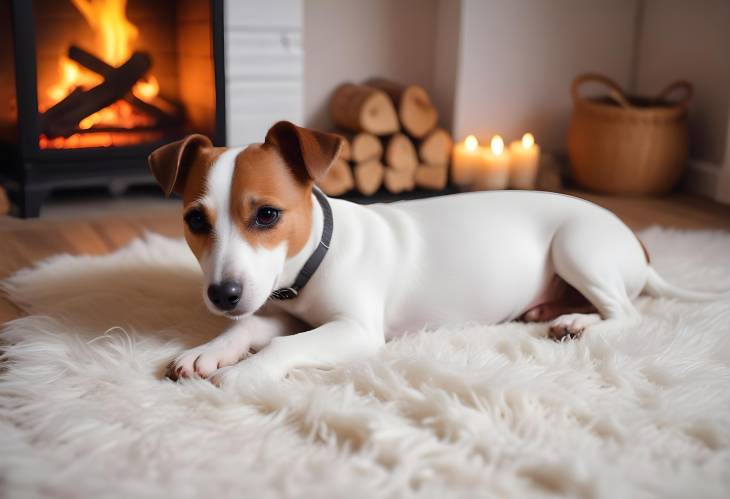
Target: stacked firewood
[391, 140]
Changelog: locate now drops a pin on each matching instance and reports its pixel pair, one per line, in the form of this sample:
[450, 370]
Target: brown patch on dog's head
[310, 153]
[170, 163]
[181, 167]
[279, 174]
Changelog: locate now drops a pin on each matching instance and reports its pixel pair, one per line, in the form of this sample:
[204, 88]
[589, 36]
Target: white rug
[474, 412]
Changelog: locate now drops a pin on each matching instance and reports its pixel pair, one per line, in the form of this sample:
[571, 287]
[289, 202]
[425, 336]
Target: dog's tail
[657, 287]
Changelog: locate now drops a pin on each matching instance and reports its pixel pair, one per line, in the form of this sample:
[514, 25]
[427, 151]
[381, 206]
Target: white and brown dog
[356, 275]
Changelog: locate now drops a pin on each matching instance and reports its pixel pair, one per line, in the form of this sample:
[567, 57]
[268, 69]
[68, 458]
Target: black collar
[315, 259]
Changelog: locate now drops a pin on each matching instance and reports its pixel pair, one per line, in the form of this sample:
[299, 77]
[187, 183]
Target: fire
[115, 36]
[108, 18]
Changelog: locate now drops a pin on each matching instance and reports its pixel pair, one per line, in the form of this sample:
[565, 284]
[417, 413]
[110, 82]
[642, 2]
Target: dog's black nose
[225, 295]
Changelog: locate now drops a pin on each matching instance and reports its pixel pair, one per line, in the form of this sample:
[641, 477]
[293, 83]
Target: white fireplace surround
[264, 60]
[492, 66]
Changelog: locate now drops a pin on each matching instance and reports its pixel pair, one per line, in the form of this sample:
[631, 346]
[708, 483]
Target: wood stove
[96, 85]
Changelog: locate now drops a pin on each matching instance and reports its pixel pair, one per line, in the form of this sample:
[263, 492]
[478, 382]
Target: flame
[147, 89]
[528, 140]
[114, 32]
[471, 143]
[497, 145]
[115, 36]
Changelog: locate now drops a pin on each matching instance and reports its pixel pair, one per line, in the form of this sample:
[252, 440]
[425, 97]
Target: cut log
[364, 147]
[369, 176]
[397, 181]
[345, 150]
[435, 149]
[400, 153]
[359, 108]
[338, 180]
[432, 177]
[61, 119]
[416, 112]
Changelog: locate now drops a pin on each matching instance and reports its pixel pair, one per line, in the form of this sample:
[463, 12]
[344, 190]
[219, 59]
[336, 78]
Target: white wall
[447, 36]
[352, 40]
[518, 58]
[691, 40]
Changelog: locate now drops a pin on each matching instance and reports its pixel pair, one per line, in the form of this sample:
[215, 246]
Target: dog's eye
[197, 222]
[267, 216]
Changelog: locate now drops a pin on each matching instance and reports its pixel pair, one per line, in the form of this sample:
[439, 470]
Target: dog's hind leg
[559, 299]
[604, 261]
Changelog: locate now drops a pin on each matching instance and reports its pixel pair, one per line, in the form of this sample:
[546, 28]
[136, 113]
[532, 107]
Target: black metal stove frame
[30, 173]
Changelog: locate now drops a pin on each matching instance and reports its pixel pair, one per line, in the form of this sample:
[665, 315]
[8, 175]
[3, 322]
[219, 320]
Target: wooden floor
[100, 226]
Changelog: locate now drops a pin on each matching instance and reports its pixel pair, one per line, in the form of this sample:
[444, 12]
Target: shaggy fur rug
[472, 412]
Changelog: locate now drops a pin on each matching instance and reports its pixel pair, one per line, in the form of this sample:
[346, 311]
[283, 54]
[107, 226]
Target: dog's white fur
[232, 257]
[475, 257]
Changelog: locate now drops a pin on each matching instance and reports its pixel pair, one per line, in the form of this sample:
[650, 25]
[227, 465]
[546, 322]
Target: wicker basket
[628, 145]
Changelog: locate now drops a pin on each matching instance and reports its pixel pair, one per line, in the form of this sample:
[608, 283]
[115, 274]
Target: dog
[275, 253]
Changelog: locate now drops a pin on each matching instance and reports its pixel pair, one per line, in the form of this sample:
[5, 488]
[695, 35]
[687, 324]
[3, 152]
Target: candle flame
[497, 145]
[471, 143]
[528, 140]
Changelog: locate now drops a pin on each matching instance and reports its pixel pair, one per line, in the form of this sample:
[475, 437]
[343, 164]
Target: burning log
[93, 63]
[63, 117]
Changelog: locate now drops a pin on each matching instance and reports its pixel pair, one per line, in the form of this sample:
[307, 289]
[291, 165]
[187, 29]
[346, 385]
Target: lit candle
[467, 159]
[495, 172]
[525, 160]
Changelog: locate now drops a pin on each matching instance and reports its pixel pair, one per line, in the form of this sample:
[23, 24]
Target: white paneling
[518, 58]
[263, 14]
[263, 56]
[264, 74]
[281, 97]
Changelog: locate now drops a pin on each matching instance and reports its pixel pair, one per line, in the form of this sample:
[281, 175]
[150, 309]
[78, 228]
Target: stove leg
[30, 200]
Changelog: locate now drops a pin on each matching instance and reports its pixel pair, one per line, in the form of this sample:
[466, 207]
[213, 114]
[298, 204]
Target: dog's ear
[309, 152]
[169, 163]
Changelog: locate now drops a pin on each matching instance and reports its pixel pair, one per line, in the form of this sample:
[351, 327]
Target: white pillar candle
[525, 159]
[467, 159]
[494, 173]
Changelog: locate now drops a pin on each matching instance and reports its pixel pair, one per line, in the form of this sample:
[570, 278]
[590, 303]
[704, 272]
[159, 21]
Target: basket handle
[677, 85]
[615, 91]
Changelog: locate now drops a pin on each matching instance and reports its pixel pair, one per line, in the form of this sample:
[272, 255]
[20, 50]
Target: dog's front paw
[202, 361]
[226, 376]
[247, 372]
